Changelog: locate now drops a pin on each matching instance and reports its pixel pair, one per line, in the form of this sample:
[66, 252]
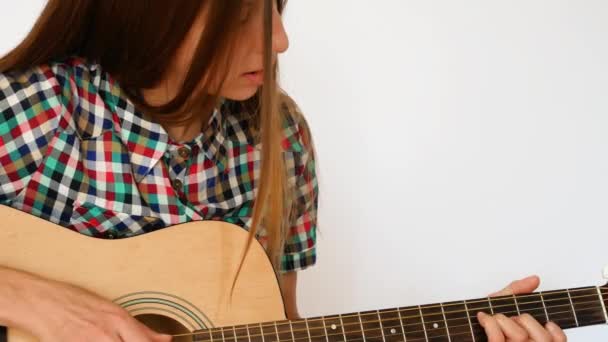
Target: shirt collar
[147, 141]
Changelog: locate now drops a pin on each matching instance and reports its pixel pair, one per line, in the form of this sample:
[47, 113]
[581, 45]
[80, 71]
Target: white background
[461, 145]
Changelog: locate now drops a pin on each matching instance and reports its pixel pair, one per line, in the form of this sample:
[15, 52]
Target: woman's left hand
[501, 328]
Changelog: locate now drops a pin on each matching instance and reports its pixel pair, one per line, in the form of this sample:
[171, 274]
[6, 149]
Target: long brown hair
[135, 41]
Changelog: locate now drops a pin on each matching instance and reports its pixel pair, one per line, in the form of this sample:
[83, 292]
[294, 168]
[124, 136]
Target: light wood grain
[190, 265]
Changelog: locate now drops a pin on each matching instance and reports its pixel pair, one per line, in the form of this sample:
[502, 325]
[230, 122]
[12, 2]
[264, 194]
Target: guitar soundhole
[165, 325]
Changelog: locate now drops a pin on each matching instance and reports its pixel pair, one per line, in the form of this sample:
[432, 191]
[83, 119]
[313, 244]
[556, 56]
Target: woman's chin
[241, 94]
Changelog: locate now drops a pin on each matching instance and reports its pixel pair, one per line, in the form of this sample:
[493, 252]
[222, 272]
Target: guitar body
[176, 280]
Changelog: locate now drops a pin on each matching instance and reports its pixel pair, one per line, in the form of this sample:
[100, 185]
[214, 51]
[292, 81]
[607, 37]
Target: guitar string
[326, 336]
[569, 311]
[483, 301]
[279, 323]
[480, 301]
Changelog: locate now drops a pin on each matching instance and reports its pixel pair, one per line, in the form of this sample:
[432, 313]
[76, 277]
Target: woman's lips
[256, 77]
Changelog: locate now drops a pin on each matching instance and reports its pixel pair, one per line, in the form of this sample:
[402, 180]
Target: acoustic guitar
[177, 280]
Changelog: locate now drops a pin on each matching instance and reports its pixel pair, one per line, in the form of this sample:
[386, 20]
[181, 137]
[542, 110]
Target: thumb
[162, 338]
[525, 285]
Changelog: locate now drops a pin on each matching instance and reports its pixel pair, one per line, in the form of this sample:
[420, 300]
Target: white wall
[461, 145]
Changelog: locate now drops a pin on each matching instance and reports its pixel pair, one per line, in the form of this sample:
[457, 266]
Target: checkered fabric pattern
[76, 152]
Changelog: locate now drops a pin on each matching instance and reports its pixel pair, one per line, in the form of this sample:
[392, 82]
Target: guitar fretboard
[451, 322]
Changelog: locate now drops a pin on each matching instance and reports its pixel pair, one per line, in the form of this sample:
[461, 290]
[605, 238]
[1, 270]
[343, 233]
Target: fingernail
[534, 276]
[552, 327]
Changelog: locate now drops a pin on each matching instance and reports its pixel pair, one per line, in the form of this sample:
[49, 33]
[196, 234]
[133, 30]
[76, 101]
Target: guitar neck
[452, 321]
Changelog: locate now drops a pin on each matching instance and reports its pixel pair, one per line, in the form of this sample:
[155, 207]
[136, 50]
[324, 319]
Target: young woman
[124, 117]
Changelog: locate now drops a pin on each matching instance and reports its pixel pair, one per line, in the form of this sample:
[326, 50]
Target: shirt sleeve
[300, 244]
[30, 105]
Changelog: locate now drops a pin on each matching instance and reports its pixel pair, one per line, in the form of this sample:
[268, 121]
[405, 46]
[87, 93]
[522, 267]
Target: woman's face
[245, 74]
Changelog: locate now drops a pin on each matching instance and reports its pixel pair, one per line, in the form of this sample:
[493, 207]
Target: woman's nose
[280, 41]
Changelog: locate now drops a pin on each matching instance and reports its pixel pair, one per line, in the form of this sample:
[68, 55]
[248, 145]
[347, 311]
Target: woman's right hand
[67, 313]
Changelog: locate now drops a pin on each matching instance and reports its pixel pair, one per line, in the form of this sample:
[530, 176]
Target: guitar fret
[381, 327]
[475, 306]
[516, 305]
[350, 326]
[491, 308]
[262, 333]
[504, 305]
[542, 300]
[466, 309]
[572, 306]
[361, 323]
[269, 332]
[423, 323]
[284, 331]
[307, 329]
[588, 306]
[390, 322]
[342, 324]
[532, 304]
[457, 322]
[602, 291]
[255, 333]
[229, 333]
[447, 329]
[316, 326]
[568, 308]
[241, 333]
[557, 304]
[300, 331]
[293, 338]
[599, 293]
[333, 325]
[216, 334]
[325, 329]
[371, 326]
[199, 335]
[276, 330]
[434, 323]
[401, 325]
[412, 323]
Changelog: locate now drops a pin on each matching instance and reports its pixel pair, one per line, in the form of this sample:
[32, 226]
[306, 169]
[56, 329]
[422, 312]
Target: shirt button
[149, 219]
[184, 152]
[111, 235]
[177, 184]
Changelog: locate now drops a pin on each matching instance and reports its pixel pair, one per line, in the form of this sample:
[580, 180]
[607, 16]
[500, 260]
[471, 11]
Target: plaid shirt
[76, 152]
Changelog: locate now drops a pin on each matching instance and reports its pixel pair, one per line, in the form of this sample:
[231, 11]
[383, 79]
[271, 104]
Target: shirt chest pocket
[108, 203]
[93, 220]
